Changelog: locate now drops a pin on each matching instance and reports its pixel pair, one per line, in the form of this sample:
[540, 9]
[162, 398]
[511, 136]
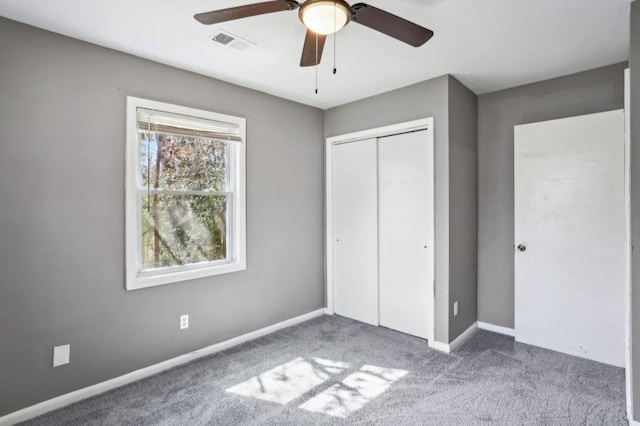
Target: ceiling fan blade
[391, 25]
[311, 56]
[217, 16]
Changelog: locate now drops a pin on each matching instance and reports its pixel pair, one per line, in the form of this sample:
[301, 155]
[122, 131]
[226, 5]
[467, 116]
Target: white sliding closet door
[355, 230]
[406, 228]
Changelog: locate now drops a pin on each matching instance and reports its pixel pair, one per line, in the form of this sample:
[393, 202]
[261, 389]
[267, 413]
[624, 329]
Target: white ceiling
[487, 44]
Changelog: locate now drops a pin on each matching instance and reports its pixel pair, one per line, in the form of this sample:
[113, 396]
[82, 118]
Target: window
[185, 205]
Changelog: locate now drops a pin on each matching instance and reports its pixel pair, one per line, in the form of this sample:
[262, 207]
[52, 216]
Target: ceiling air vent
[231, 41]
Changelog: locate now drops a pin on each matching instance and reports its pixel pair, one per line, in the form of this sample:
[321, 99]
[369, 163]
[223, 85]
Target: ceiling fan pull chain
[335, 43]
[317, 64]
[335, 37]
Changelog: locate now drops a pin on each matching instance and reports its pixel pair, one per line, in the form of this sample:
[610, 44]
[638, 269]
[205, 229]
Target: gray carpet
[334, 366]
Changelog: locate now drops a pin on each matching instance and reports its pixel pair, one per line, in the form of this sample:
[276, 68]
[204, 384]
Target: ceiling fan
[324, 17]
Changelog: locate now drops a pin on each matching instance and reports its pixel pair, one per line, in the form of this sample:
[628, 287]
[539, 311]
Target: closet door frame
[394, 129]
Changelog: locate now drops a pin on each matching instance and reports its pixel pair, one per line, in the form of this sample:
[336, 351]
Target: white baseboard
[463, 336]
[496, 329]
[80, 394]
[439, 346]
[448, 348]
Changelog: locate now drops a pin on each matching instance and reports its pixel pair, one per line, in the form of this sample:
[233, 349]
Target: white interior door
[406, 227]
[355, 230]
[569, 236]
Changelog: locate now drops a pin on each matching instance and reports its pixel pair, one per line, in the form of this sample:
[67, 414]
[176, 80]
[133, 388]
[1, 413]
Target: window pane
[182, 163]
[183, 229]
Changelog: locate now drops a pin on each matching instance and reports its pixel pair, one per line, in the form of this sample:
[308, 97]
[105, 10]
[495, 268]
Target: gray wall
[588, 92]
[463, 173]
[62, 139]
[634, 65]
[454, 110]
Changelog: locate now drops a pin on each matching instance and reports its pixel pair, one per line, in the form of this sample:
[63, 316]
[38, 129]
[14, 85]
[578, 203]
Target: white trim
[394, 129]
[378, 132]
[463, 336]
[496, 329]
[328, 197]
[627, 254]
[448, 348]
[439, 346]
[238, 262]
[80, 394]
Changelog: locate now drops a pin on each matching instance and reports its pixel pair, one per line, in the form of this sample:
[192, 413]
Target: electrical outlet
[184, 321]
[455, 308]
[61, 355]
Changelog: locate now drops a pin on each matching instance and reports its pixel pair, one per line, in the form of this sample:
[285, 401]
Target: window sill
[140, 281]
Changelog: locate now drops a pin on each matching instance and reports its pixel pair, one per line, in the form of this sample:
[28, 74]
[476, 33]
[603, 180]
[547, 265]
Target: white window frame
[135, 279]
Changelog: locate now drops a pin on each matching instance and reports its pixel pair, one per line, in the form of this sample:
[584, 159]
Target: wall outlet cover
[455, 309]
[61, 355]
[184, 321]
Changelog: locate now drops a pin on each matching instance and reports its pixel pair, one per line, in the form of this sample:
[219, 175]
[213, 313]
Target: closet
[381, 227]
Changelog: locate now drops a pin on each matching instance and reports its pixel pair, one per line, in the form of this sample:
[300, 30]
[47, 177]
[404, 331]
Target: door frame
[378, 132]
[628, 247]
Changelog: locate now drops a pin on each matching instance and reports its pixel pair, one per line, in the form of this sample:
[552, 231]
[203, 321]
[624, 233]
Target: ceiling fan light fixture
[325, 16]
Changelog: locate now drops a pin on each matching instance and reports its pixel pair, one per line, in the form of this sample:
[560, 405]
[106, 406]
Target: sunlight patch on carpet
[354, 392]
[289, 381]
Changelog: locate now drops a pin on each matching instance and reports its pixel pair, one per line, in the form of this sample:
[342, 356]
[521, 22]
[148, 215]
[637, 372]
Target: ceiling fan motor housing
[325, 16]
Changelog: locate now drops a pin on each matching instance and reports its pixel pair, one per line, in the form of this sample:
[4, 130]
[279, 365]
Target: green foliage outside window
[186, 204]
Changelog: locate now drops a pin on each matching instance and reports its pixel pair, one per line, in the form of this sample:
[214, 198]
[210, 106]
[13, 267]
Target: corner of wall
[463, 205]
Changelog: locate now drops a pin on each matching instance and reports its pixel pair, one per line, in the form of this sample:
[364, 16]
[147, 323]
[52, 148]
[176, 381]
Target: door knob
[522, 247]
